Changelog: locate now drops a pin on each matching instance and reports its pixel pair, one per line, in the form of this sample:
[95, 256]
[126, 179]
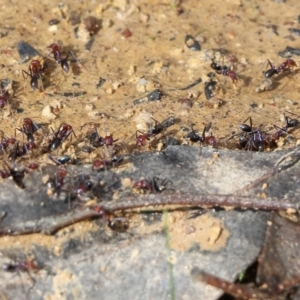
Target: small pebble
[47, 113]
[126, 33]
[89, 107]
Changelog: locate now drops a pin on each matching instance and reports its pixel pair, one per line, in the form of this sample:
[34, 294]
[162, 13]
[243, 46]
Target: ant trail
[293, 156]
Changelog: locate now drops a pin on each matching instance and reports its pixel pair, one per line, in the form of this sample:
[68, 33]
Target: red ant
[29, 127]
[108, 140]
[22, 150]
[289, 123]
[55, 184]
[23, 266]
[16, 173]
[286, 65]
[224, 70]
[100, 164]
[57, 55]
[36, 68]
[97, 141]
[158, 128]
[114, 223]
[156, 184]
[195, 137]
[142, 139]
[84, 186]
[7, 142]
[60, 135]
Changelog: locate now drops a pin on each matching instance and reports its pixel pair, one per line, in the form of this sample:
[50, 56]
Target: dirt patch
[206, 231]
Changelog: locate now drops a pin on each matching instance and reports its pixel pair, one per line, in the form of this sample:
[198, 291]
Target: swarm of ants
[39, 140]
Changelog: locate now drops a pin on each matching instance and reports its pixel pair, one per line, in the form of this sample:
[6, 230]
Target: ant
[97, 141]
[29, 127]
[16, 173]
[156, 185]
[35, 70]
[100, 164]
[22, 150]
[159, 127]
[289, 123]
[224, 70]
[286, 65]
[7, 142]
[55, 184]
[115, 223]
[3, 100]
[84, 186]
[21, 267]
[153, 131]
[56, 51]
[195, 137]
[250, 138]
[142, 139]
[60, 135]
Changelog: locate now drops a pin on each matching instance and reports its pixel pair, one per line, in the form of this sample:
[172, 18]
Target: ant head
[34, 83]
[98, 164]
[3, 102]
[291, 62]
[108, 140]
[65, 66]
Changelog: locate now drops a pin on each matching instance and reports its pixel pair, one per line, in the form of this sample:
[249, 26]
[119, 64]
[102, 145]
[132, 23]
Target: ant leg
[288, 112]
[32, 285]
[139, 132]
[250, 122]
[279, 128]
[70, 134]
[203, 133]
[271, 65]
[41, 79]
[192, 127]
[78, 61]
[23, 71]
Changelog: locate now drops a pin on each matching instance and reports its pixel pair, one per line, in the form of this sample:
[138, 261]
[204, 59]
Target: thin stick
[51, 224]
[199, 200]
[293, 156]
[235, 289]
